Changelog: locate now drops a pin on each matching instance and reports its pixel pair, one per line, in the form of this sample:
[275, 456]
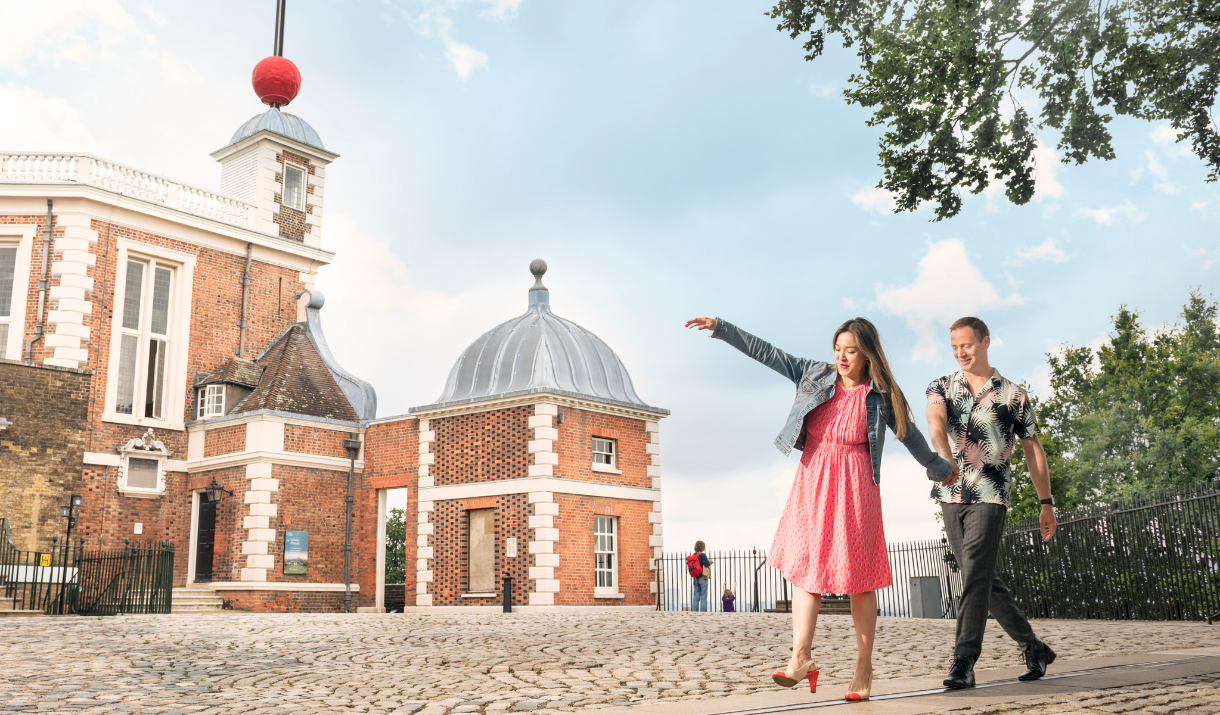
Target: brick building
[162, 356]
[538, 462]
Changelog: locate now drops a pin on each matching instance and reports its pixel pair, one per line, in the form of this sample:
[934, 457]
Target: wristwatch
[1048, 500]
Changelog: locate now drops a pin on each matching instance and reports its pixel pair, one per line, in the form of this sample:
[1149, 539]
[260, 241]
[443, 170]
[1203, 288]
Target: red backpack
[693, 566]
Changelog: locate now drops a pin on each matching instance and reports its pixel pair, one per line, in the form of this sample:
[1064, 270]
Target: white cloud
[152, 13]
[1045, 251]
[1046, 178]
[80, 31]
[825, 90]
[501, 9]
[1158, 170]
[465, 58]
[946, 287]
[31, 121]
[874, 200]
[1166, 136]
[1208, 258]
[1107, 216]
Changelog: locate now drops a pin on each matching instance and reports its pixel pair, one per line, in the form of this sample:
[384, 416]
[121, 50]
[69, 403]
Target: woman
[830, 538]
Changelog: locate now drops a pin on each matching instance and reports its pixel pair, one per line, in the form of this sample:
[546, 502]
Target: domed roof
[282, 123]
[539, 352]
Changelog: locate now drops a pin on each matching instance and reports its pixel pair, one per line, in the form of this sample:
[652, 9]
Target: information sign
[44, 559]
[296, 552]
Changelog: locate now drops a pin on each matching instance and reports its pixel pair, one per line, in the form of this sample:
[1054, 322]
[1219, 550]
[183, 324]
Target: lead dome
[539, 352]
[282, 123]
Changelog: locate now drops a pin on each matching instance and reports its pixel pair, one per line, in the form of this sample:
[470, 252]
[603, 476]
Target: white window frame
[203, 401]
[21, 236]
[612, 467]
[599, 541]
[146, 447]
[176, 386]
[284, 185]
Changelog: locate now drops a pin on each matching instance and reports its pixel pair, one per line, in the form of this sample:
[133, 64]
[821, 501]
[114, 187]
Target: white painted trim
[608, 594]
[490, 594]
[102, 459]
[192, 539]
[287, 459]
[525, 485]
[528, 609]
[176, 378]
[21, 285]
[215, 423]
[277, 586]
[606, 468]
[381, 539]
[536, 398]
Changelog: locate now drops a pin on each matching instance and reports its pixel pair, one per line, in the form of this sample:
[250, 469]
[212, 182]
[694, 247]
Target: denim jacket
[815, 381]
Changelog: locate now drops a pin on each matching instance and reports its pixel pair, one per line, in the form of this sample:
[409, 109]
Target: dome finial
[539, 295]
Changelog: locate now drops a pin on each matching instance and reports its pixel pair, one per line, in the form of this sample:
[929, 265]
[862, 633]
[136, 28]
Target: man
[975, 416]
[699, 600]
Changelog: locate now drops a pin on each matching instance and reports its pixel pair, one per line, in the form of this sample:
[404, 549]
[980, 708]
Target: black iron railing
[1151, 557]
[73, 578]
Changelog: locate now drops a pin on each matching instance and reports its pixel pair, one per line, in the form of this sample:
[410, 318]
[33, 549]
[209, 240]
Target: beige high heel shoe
[788, 680]
[864, 692]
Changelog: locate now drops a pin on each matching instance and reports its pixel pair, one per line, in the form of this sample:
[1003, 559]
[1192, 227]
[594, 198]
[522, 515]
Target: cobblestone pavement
[438, 664]
[1185, 695]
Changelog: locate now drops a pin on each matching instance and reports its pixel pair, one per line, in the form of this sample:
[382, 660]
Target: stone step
[10, 613]
[197, 602]
[195, 608]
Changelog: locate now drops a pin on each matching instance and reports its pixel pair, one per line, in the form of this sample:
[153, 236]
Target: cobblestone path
[1185, 696]
[437, 664]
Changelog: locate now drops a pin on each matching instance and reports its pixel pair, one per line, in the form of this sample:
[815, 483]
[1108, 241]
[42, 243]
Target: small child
[729, 600]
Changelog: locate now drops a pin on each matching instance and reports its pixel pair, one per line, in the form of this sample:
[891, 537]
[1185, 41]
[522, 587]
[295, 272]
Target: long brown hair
[878, 369]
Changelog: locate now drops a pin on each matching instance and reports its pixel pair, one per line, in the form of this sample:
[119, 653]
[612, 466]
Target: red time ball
[276, 81]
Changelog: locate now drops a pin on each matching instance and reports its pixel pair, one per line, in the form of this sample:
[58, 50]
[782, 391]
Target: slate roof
[295, 379]
[236, 370]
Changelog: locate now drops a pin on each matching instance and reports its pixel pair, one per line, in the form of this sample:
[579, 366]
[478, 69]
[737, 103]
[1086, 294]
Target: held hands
[1047, 522]
[702, 323]
[952, 477]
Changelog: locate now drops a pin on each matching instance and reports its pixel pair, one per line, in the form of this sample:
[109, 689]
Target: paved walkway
[437, 664]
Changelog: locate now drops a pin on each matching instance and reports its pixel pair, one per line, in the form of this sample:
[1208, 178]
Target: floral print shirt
[983, 429]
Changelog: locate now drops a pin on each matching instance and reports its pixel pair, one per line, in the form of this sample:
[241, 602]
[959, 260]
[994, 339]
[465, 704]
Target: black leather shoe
[1038, 655]
[961, 675]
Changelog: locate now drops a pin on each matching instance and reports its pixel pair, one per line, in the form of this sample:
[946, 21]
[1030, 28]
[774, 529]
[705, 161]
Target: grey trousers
[975, 532]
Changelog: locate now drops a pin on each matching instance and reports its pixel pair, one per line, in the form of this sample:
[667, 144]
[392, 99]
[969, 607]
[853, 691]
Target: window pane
[126, 394]
[160, 304]
[131, 295]
[142, 473]
[294, 189]
[155, 388]
[214, 403]
[8, 266]
[3, 339]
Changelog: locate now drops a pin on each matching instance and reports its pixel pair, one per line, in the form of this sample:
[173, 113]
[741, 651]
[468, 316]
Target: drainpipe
[43, 285]
[245, 294]
[352, 445]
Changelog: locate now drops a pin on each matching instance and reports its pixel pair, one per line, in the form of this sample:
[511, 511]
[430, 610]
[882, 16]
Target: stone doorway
[205, 539]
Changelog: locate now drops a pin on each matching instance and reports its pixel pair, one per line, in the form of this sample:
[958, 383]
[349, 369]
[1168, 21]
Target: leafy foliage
[1140, 413]
[396, 547]
[940, 77]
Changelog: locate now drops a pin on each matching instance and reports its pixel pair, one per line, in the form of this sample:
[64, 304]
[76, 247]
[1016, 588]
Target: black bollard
[508, 594]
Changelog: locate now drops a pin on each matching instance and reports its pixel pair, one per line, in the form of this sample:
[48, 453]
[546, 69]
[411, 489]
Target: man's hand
[952, 477]
[702, 323]
[1047, 522]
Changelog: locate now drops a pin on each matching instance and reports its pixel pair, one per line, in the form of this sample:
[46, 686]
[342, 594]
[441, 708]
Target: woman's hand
[702, 323]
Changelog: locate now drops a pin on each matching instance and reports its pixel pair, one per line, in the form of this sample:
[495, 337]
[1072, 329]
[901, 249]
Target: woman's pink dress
[830, 538]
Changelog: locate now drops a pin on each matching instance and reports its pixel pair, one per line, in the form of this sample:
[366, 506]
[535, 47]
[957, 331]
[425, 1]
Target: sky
[667, 159]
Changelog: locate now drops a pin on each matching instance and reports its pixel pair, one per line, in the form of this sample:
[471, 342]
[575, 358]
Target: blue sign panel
[296, 551]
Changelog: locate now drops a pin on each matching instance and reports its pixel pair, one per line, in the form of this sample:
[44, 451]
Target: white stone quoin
[543, 583]
[71, 300]
[259, 535]
[423, 554]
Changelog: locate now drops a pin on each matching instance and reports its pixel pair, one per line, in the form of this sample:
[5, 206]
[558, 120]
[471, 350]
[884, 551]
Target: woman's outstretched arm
[790, 366]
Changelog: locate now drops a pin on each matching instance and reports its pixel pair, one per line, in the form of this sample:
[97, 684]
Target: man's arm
[1035, 459]
[938, 431]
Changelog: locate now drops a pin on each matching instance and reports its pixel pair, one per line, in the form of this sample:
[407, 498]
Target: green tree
[1140, 413]
[940, 77]
[396, 547]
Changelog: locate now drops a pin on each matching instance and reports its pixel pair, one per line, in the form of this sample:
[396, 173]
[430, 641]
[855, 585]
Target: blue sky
[668, 160]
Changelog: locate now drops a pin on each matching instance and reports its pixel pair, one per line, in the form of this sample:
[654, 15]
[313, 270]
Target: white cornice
[285, 459]
[271, 416]
[524, 485]
[312, 152]
[534, 398]
[218, 235]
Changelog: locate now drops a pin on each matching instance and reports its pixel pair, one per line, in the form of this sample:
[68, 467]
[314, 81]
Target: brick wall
[481, 447]
[294, 223]
[224, 440]
[285, 602]
[575, 447]
[313, 440]
[449, 566]
[575, 549]
[311, 500]
[42, 451]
